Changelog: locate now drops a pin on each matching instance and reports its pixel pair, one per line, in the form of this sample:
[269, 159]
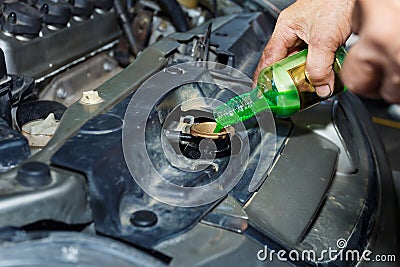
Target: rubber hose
[5, 91]
[175, 12]
[125, 24]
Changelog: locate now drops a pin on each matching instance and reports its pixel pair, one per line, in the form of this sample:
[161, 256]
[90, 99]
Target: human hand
[372, 67]
[322, 24]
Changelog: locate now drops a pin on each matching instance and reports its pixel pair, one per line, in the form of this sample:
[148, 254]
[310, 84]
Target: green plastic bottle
[282, 88]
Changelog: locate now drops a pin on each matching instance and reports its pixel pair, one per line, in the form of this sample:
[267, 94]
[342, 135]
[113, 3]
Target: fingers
[390, 88]
[275, 50]
[281, 42]
[271, 54]
[331, 29]
[372, 68]
[361, 72]
[304, 22]
[319, 69]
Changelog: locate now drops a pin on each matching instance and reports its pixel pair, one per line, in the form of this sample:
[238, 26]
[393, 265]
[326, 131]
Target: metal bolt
[44, 9]
[34, 174]
[61, 93]
[12, 18]
[163, 26]
[143, 22]
[175, 71]
[107, 66]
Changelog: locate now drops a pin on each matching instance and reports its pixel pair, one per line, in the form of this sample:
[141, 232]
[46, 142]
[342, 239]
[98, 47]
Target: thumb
[319, 68]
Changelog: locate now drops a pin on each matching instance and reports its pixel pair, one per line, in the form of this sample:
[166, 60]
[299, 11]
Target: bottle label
[305, 90]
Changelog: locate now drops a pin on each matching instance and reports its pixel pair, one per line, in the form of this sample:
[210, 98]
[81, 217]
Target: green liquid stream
[243, 107]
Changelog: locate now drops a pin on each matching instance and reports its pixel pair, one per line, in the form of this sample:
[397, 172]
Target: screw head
[61, 93]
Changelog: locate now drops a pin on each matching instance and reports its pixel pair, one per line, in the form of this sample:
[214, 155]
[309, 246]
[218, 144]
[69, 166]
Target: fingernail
[323, 91]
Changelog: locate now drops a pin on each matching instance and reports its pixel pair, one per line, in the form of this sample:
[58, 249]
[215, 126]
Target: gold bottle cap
[206, 130]
[188, 3]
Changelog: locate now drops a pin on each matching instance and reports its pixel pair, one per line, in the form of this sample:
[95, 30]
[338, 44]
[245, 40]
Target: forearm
[372, 67]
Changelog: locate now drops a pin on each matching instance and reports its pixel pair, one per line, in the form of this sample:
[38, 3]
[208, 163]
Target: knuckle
[330, 42]
[286, 18]
[318, 74]
[284, 14]
[282, 20]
